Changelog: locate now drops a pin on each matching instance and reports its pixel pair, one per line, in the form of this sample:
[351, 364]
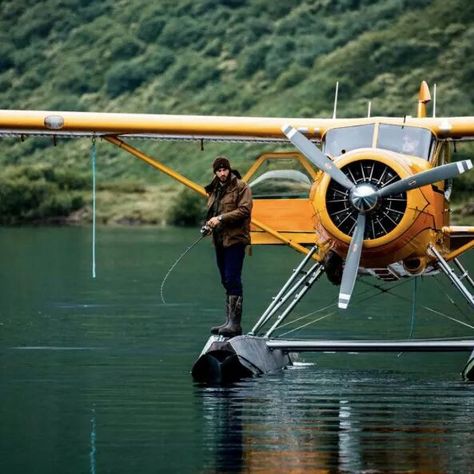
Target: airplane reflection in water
[356, 423]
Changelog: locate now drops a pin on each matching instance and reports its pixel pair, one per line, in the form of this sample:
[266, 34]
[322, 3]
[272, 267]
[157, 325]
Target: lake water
[95, 374]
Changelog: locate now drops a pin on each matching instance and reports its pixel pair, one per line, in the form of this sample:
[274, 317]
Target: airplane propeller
[431, 176]
[364, 197]
[316, 156]
[352, 262]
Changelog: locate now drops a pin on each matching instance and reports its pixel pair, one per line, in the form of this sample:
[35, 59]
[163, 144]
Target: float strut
[455, 280]
[312, 276]
[279, 298]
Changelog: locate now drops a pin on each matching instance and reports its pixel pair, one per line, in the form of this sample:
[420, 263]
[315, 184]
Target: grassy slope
[233, 57]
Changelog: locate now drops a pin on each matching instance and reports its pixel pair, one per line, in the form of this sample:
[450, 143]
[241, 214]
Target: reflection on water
[93, 448]
[94, 374]
[334, 420]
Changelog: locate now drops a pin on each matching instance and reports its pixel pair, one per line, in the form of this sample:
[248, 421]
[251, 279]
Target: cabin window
[281, 179]
[340, 140]
[413, 141]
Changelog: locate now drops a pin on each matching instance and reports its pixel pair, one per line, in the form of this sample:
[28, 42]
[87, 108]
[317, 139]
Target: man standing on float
[229, 209]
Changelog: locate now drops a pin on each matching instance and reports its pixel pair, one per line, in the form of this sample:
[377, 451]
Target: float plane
[364, 196]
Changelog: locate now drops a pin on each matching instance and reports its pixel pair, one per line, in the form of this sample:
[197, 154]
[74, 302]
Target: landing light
[54, 122]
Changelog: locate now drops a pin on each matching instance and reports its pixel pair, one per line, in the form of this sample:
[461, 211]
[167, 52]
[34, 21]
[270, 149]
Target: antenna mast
[335, 100]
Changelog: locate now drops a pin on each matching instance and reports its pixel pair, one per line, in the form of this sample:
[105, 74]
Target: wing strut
[200, 190]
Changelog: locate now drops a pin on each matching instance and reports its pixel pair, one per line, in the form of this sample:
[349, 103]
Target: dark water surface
[94, 374]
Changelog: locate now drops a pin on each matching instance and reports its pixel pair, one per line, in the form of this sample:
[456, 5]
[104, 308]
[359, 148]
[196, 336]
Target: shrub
[213, 48]
[233, 3]
[188, 210]
[158, 61]
[124, 47]
[20, 199]
[29, 193]
[246, 33]
[279, 57]
[403, 52]
[59, 205]
[273, 9]
[150, 28]
[68, 102]
[6, 61]
[76, 79]
[201, 74]
[123, 187]
[36, 173]
[254, 58]
[292, 76]
[124, 77]
[24, 58]
[72, 181]
[32, 27]
[178, 74]
[180, 32]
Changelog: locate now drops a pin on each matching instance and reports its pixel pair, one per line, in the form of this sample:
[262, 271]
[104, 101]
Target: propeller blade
[352, 263]
[316, 156]
[426, 177]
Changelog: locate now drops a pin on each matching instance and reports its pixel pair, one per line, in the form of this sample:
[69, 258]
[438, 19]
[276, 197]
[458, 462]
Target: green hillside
[232, 57]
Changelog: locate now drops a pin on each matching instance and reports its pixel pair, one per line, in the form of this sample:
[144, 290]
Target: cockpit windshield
[414, 141]
[340, 140]
[407, 140]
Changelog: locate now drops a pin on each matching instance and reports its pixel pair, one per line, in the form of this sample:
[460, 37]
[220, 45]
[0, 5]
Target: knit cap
[220, 162]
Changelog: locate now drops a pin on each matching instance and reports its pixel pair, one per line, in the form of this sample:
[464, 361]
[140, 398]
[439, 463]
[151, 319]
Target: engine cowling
[397, 226]
[383, 215]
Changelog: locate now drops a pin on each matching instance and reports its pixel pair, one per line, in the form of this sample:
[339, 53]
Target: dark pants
[230, 261]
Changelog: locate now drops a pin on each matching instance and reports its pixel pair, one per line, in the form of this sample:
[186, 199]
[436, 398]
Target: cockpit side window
[282, 179]
[340, 140]
[413, 141]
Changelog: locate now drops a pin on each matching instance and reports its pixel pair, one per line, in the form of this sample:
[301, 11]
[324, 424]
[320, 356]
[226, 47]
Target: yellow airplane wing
[80, 124]
[117, 127]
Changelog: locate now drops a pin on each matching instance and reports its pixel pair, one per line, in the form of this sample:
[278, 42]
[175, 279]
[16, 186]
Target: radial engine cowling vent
[382, 215]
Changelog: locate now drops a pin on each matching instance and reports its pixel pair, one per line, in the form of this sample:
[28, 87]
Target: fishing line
[381, 290]
[413, 308]
[307, 324]
[439, 313]
[305, 316]
[413, 311]
[445, 292]
[205, 233]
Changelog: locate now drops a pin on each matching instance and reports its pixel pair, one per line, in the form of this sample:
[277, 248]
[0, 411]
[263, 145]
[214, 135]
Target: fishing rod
[205, 231]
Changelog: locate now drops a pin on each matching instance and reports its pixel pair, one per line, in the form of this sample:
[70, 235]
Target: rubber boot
[215, 329]
[233, 328]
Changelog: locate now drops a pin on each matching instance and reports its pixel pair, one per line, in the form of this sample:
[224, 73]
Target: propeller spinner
[364, 198]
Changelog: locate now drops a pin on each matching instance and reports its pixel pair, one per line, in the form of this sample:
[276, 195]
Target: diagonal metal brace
[450, 273]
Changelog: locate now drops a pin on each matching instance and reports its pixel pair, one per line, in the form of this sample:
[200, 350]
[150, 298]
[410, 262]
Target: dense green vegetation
[188, 209]
[32, 193]
[232, 57]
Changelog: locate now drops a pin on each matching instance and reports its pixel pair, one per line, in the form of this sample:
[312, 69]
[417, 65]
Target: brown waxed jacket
[235, 208]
